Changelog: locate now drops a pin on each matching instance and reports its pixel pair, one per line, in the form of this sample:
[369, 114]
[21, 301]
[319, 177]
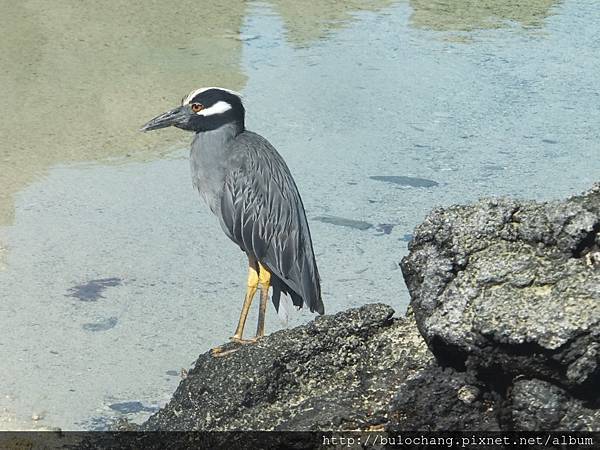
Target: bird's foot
[222, 350]
[226, 349]
[241, 341]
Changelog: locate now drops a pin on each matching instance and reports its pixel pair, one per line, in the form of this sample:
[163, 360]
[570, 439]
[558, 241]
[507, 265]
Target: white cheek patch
[218, 108]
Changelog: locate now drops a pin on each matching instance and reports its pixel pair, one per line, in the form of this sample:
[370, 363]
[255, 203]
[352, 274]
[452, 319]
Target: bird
[248, 186]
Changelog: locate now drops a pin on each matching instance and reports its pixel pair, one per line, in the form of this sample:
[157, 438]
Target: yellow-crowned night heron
[248, 186]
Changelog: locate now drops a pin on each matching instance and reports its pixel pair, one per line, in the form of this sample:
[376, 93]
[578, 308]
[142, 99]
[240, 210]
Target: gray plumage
[248, 186]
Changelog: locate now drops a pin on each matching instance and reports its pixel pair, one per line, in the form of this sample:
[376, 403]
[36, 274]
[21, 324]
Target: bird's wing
[261, 210]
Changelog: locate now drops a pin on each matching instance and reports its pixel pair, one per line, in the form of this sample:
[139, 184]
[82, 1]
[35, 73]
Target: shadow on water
[343, 222]
[92, 290]
[405, 181]
[469, 15]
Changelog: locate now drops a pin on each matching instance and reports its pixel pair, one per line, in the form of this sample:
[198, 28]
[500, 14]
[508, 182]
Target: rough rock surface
[442, 399]
[510, 290]
[539, 405]
[505, 294]
[337, 372]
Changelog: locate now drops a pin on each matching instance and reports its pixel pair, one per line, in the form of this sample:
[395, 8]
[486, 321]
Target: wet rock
[501, 289]
[337, 372]
[92, 290]
[406, 181]
[342, 222]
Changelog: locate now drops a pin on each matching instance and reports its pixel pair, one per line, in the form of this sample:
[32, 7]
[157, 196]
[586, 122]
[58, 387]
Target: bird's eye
[196, 107]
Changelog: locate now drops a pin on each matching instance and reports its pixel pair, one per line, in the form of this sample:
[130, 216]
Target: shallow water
[114, 275]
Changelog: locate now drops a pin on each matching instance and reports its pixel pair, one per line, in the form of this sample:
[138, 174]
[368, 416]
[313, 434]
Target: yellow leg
[253, 280]
[257, 275]
[264, 279]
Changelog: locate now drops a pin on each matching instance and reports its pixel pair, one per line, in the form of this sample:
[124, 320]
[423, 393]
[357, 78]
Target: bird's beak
[176, 116]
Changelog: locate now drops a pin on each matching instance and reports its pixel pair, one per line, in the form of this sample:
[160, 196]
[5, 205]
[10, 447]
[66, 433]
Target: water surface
[113, 274]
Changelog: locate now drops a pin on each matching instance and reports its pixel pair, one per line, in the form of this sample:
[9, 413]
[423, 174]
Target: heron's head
[204, 109]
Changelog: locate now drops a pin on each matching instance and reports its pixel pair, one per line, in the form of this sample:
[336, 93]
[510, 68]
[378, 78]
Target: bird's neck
[223, 133]
[214, 144]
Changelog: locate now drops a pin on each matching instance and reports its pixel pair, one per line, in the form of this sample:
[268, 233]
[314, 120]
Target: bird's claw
[219, 352]
[224, 350]
[241, 341]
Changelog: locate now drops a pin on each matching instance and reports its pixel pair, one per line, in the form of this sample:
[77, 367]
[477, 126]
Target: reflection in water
[306, 22]
[467, 15]
[80, 77]
[83, 77]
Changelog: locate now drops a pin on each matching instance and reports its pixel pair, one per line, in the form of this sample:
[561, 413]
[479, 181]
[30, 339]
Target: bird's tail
[312, 297]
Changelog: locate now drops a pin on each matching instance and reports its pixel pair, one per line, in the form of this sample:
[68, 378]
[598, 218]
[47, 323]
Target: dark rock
[539, 405]
[337, 372]
[508, 289]
[439, 399]
[505, 293]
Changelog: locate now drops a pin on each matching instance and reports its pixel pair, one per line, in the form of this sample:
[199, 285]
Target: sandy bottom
[114, 276]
